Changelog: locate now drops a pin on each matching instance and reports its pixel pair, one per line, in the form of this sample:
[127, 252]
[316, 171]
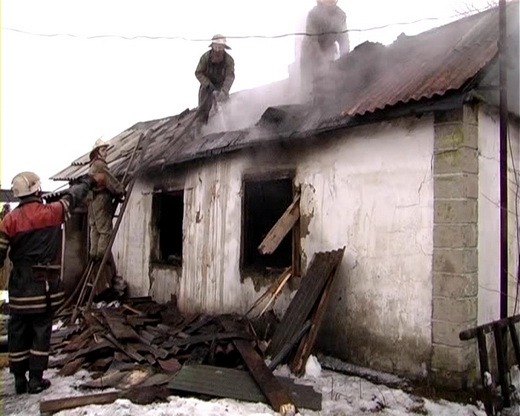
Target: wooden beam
[57, 405]
[275, 236]
[275, 393]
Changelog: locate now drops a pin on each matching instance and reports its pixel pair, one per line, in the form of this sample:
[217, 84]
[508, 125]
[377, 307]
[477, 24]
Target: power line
[285, 35]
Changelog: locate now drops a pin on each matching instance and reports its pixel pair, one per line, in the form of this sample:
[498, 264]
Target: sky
[342, 395]
[76, 70]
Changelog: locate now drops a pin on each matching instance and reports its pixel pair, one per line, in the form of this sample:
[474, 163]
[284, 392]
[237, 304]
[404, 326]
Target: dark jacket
[32, 231]
[221, 75]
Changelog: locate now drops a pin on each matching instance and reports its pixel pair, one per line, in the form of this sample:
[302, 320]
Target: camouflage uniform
[217, 77]
[318, 51]
[101, 207]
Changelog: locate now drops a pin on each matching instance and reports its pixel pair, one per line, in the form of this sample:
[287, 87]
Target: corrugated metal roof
[372, 77]
[417, 67]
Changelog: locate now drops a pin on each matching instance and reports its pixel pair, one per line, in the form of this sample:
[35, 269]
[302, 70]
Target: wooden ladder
[492, 402]
[87, 281]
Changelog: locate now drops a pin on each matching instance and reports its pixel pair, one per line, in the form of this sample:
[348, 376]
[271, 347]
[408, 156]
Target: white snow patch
[313, 367]
[342, 395]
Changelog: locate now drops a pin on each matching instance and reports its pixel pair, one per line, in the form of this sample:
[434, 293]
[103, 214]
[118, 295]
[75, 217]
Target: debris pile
[148, 350]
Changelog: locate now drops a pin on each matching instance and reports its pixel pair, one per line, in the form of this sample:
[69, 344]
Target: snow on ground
[342, 395]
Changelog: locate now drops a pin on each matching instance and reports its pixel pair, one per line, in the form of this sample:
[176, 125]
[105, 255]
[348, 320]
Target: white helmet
[25, 183]
[219, 40]
[329, 2]
[98, 145]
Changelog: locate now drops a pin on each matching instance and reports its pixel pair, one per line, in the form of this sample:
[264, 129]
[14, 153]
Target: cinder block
[455, 235]
[453, 310]
[463, 185]
[447, 333]
[455, 261]
[455, 211]
[461, 160]
[455, 285]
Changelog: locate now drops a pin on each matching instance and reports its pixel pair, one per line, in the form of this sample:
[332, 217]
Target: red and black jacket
[32, 231]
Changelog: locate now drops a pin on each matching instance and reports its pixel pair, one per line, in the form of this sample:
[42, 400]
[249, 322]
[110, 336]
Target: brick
[447, 333]
[454, 359]
[455, 285]
[455, 235]
[455, 310]
[455, 261]
[459, 160]
[455, 211]
[456, 186]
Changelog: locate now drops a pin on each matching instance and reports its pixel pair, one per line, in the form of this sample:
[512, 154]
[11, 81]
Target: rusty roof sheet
[417, 67]
[372, 77]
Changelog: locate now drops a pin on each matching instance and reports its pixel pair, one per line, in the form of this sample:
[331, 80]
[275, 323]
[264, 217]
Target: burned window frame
[247, 270]
[157, 251]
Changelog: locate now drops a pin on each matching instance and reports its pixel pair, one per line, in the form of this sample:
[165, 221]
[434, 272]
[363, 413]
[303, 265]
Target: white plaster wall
[132, 245]
[373, 192]
[489, 216]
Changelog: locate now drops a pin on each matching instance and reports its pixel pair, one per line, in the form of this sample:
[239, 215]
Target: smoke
[245, 108]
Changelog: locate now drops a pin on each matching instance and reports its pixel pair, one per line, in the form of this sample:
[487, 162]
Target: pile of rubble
[148, 351]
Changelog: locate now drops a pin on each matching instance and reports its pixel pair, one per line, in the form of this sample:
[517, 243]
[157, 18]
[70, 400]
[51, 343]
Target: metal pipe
[503, 160]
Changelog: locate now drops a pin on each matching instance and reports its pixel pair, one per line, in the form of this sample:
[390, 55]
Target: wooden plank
[276, 234]
[118, 327]
[198, 339]
[303, 352]
[484, 368]
[516, 343]
[71, 367]
[276, 394]
[238, 384]
[170, 365]
[90, 349]
[128, 351]
[499, 332]
[323, 264]
[472, 332]
[271, 292]
[101, 364]
[57, 405]
[154, 350]
[79, 341]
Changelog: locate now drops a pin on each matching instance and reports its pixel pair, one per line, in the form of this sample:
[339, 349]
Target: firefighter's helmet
[25, 183]
[98, 145]
[219, 40]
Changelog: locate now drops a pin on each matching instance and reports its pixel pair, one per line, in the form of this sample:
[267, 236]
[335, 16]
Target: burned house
[396, 160]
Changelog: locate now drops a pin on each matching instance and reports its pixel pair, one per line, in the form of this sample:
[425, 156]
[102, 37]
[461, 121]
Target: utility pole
[502, 62]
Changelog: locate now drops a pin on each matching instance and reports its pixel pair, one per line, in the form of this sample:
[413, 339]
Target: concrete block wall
[455, 241]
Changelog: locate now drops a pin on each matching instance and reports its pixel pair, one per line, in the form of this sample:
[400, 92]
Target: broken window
[265, 205]
[167, 219]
